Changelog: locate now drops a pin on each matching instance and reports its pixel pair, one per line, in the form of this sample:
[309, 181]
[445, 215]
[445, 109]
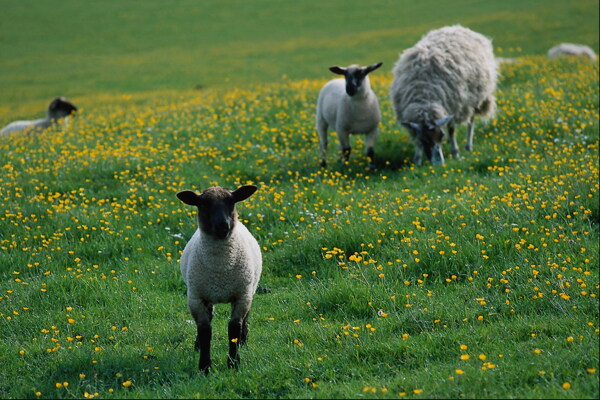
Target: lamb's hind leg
[202, 313]
[244, 336]
[322, 129]
[370, 140]
[470, 133]
[235, 330]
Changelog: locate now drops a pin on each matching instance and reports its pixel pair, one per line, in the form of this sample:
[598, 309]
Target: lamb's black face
[354, 80]
[217, 215]
[216, 212]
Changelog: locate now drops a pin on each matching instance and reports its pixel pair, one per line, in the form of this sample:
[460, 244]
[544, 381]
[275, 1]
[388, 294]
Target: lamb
[349, 105]
[446, 78]
[221, 263]
[59, 108]
[571, 49]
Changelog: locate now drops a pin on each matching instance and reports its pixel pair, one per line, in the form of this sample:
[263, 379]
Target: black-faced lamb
[447, 78]
[221, 263]
[349, 105]
[59, 108]
[572, 49]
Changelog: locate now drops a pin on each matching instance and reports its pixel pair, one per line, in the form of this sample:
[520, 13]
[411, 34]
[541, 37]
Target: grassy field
[477, 279]
[78, 49]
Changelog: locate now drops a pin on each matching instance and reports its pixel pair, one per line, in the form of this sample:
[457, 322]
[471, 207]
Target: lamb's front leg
[202, 313]
[239, 312]
[345, 149]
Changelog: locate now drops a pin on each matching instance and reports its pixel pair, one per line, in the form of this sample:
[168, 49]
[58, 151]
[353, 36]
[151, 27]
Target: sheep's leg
[239, 311]
[452, 141]
[418, 157]
[322, 128]
[244, 336]
[470, 133]
[370, 139]
[344, 139]
[202, 313]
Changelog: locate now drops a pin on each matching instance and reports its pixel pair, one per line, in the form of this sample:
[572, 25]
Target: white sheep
[572, 49]
[59, 108]
[221, 263]
[348, 105]
[446, 78]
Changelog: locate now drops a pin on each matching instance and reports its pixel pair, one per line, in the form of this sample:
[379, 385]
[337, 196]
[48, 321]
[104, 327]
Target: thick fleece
[447, 77]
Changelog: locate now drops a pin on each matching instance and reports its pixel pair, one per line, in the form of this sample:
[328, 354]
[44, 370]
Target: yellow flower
[459, 371]
[566, 385]
[465, 357]
[127, 383]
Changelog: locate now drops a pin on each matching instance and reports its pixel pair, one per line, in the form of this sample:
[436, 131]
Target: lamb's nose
[222, 229]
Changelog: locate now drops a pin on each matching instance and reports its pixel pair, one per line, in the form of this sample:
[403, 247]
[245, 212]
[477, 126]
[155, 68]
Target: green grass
[380, 283]
[76, 49]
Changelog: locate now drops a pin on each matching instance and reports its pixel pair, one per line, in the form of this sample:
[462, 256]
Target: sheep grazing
[571, 49]
[445, 79]
[59, 108]
[349, 105]
[221, 263]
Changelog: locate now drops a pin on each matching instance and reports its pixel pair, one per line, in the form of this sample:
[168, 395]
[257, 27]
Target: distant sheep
[572, 49]
[59, 108]
[348, 105]
[221, 263]
[446, 78]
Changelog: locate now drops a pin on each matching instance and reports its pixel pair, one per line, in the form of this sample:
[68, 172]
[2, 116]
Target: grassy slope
[376, 279]
[91, 233]
[81, 48]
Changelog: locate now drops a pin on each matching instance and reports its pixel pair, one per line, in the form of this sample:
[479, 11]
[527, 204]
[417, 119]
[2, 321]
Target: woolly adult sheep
[572, 49]
[446, 78]
[59, 108]
[221, 263]
[348, 105]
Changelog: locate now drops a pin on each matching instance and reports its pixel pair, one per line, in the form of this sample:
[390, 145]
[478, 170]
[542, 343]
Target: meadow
[476, 279]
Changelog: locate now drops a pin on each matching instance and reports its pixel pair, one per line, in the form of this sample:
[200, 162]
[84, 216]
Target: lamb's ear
[243, 192]
[443, 121]
[373, 67]
[188, 197]
[413, 126]
[338, 70]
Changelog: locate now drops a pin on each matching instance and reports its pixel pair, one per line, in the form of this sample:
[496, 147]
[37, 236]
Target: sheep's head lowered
[429, 137]
[355, 76]
[216, 208]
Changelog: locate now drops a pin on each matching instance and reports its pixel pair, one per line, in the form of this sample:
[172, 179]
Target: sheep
[446, 78]
[571, 49]
[348, 105]
[59, 108]
[221, 263]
